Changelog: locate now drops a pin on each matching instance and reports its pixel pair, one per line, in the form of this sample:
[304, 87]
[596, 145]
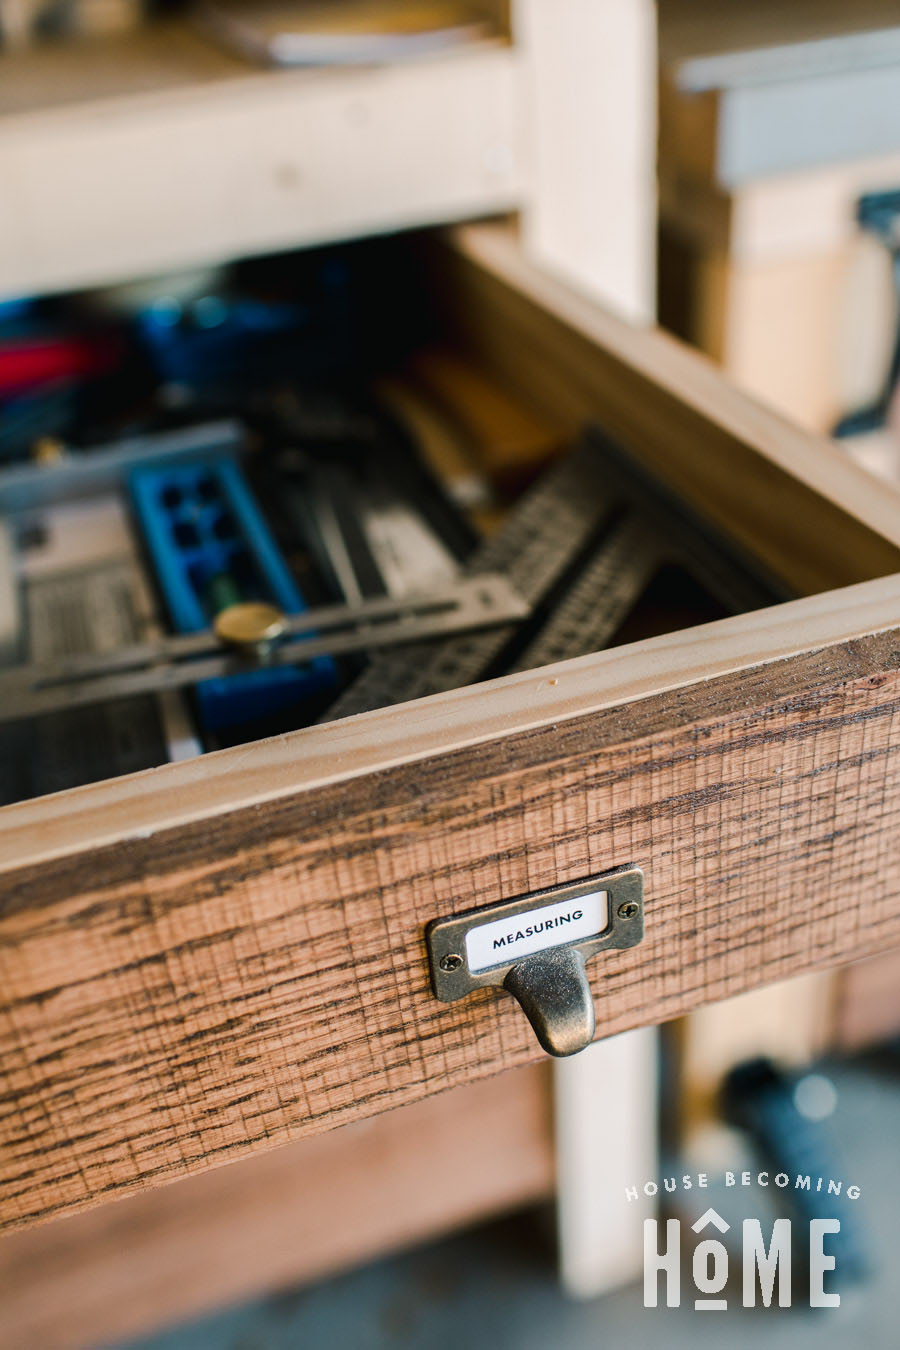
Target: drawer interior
[416, 423]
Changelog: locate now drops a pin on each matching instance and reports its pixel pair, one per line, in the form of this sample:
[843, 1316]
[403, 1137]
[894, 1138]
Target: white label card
[506, 940]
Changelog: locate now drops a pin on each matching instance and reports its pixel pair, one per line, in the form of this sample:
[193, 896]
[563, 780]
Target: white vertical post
[589, 100]
[606, 1143]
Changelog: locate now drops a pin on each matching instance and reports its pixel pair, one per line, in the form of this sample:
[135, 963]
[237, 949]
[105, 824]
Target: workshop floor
[495, 1286]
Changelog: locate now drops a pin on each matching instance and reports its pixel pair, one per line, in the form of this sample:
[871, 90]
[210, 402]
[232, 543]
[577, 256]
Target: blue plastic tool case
[200, 524]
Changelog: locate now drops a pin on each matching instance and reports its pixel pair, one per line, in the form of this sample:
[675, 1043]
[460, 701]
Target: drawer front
[215, 957]
[286, 1217]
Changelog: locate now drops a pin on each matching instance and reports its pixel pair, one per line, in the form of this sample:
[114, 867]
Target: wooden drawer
[204, 960]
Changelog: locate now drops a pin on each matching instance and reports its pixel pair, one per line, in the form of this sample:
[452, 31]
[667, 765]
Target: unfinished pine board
[790, 1022]
[775, 220]
[782, 339]
[777, 271]
[288, 1216]
[589, 74]
[783, 288]
[154, 151]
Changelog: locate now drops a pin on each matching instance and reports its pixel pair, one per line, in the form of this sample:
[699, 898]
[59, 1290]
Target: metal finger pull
[535, 948]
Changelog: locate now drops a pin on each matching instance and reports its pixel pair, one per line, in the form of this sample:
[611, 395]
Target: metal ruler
[600, 598]
[559, 579]
[86, 611]
[543, 536]
[581, 546]
[90, 678]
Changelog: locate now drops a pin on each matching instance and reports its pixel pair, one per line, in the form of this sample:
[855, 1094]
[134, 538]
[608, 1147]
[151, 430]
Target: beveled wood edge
[138, 805]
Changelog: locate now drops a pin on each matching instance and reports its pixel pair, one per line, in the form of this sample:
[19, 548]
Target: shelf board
[156, 151]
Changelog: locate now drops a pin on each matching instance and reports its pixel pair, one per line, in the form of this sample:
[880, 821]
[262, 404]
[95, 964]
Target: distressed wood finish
[289, 1215]
[181, 1000]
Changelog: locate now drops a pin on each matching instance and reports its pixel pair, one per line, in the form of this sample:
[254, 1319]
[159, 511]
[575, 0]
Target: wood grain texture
[287, 1216]
[226, 985]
